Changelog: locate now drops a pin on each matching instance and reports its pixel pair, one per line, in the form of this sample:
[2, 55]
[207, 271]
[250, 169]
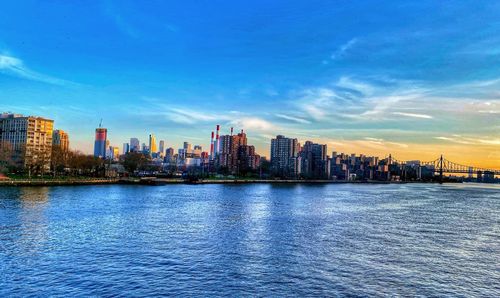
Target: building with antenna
[234, 155]
[101, 141]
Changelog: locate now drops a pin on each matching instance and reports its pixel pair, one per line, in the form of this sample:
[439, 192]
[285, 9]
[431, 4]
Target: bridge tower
[441, 169]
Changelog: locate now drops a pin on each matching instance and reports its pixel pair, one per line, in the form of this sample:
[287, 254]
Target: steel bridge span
[441, 165]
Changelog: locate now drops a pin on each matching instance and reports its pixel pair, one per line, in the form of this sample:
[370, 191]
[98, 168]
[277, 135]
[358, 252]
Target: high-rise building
[116, 152]
[152, 144]
[135, 145]
[247, 159]
[101, 135]
[314, 161]
[113, 152]
[228, 151]
[197, 150]
[224, 151]
[126, 148]
[30, 138]
[169, 153]
[60, 138]
[284, 151]
[162, 147]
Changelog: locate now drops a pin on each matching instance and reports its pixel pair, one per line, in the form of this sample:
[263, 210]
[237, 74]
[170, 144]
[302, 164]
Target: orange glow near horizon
[485, 156]
[470, 155]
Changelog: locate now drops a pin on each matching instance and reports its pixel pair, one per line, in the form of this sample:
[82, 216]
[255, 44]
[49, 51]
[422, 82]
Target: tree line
[57, 162]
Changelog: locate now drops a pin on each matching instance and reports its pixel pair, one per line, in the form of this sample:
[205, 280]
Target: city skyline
[414, 81]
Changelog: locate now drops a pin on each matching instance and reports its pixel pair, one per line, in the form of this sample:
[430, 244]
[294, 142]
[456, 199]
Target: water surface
[250, 240]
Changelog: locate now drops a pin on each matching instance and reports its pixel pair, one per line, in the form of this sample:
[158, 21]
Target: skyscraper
[126, 148]
[30, 138]
[101, 135]
[135, 145]
[162, 147]
[116, 153]
[314, 161]
[283, 152]
[60, 138]
[169, 153]
[228, 148]
[152, 144]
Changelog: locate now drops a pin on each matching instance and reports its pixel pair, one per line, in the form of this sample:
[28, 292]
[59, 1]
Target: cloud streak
[341, 51]
[15, 67]
[413, 115]
[293, 119]
[458, 139]
[192, 117]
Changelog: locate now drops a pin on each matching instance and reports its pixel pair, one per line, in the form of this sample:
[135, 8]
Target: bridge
[441, 165]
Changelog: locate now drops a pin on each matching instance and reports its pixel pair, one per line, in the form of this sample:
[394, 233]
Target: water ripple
[251, 240]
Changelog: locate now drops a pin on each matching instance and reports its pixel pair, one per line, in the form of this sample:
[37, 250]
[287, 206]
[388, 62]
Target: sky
[414, 79]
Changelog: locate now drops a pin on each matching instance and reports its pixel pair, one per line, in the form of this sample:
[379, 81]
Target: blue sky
[411, 78]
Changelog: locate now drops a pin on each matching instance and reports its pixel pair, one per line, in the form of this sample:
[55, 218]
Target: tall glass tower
[101, 135]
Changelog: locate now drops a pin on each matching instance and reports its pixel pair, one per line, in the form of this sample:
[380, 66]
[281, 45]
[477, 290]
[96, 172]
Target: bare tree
[59, 159]
[6, 157]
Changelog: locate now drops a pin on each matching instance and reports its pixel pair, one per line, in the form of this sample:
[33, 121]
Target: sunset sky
[412, 79]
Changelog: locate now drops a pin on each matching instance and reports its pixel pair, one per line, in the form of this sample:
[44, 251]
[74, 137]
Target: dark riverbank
[57, 182]
[160, 181]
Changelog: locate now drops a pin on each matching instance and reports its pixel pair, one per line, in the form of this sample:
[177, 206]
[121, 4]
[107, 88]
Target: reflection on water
[33, 196]
[30, 228]
[258, 240]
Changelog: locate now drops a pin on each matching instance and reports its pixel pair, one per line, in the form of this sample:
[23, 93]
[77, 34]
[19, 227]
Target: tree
[86, 165]
[134, 161]
[265, 166]
[6, 159]
[59, 159]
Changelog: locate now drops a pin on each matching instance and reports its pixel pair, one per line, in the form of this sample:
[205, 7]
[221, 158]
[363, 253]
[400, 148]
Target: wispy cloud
[187, 116]
[382, 142]
[158, 109]
[253, 123]
[353, 85]
[293, 119]
[412, 115]
[340, 52]
[15, 67]
[318, 103]
[374, 139]
[464, 140]
[365, 100]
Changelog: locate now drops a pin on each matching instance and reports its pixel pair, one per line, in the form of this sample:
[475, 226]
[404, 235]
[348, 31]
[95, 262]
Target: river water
[250, 240]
